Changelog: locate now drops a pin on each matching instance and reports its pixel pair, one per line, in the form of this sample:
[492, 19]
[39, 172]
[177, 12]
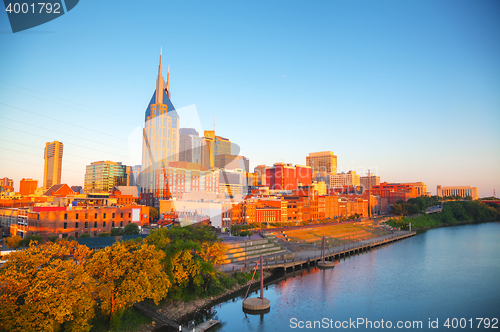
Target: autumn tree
[126, 273]
[13, 241]
[46, 288]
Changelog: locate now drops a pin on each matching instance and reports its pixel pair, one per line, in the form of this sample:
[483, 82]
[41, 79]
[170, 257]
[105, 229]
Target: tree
[126, 273]
[213, 253]
[153, 213]
[13, 241]
[84, 236]
[53, 238]
[116, 231]
[103, 234]
[131, 229]
[44, 289]
[28, 239]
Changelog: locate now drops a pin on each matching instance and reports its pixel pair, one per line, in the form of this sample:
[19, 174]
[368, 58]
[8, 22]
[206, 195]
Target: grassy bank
[456, 212]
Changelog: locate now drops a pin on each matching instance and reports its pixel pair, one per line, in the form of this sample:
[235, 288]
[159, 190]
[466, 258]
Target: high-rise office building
[53, 163]
[322, 163]
[214, 146]
[160, 142]
[102, 176]
[190, 147]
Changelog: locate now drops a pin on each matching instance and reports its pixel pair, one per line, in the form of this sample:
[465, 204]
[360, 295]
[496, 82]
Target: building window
[86, 216]
[113, 215]
[95, 224]
[121, 223]
[76, 225]
[104, 216]
[76, 235]
[65, 216]
[129, 214]
[113, 223]
[65, 225]
[95, 215]
[77, 216]
[121, 215]
[103, 224]
[86, 224]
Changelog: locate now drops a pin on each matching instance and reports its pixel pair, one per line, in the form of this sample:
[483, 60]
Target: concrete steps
[243, 250]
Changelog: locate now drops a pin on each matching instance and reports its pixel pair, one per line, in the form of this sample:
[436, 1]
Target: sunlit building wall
[462, 191]
[322, 163]
[344, 179]
[102, 176]
[53, 154]
[28, 187]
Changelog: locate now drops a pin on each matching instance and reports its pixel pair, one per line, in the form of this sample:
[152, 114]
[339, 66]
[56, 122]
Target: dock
[178, 327]
[306, 259]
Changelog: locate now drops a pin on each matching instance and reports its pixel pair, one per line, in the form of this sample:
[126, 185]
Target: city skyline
[410, 93]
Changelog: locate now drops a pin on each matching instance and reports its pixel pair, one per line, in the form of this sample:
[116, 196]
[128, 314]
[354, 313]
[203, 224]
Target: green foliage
[453, 212]
[84, 236]
[117, 231]
[103, 234]
[242, 230]
[53, 238]
[188, 260]
[35, 238]
[153, 213]
[131, 229]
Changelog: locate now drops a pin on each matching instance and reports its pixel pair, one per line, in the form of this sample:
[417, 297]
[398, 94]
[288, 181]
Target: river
[443, 276]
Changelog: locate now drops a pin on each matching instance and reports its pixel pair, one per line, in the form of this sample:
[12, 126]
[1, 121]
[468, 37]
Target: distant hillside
[453, 213]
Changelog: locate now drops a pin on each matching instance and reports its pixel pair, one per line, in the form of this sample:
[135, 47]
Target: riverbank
[180, 311]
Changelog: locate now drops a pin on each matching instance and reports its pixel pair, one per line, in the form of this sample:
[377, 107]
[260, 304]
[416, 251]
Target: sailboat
[324, 264]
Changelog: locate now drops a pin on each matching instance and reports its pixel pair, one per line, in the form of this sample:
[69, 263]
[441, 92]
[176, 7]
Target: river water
[444, 275]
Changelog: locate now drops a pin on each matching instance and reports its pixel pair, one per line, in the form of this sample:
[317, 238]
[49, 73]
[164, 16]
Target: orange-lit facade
[28, 186]
[287, 177]
[395, 191]
[67, 221]
[53, 164]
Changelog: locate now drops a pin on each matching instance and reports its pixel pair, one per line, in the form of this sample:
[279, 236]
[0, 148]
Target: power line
[81, 146]
[65, 122]
[59, 132]
[100, 114]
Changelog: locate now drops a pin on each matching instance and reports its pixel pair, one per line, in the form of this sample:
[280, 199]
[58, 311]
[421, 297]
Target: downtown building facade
[102, 176]
[462, 191]
[53, 154]
[322, 163]
[283, 176]
[340, 180]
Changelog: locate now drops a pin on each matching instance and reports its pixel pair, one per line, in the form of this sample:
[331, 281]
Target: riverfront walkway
[312, 257]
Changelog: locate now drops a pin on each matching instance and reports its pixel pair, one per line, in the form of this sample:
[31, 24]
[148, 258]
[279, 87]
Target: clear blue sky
[410, 89]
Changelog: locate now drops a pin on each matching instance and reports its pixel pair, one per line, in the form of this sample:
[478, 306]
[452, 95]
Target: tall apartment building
[214, 146]
[190, 147]
[462, 191]
[160, 142]
[261, 174]
[28, 186]
[322, 163]
[374, 181]
[53, 164]
[133, 175]
[287, 177]
[344, 179]
[102, 176]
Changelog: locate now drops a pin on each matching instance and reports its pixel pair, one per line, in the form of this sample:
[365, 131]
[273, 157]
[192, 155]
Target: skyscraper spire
[168, 82]
[160, 83]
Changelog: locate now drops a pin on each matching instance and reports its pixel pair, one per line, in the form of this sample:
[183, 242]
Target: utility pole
[369, 195]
